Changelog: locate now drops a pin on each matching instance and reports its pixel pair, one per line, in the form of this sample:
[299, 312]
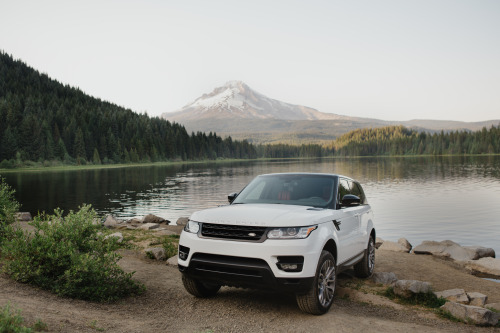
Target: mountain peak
[236, 100]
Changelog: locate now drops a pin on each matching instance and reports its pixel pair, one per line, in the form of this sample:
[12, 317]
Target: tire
[198, 288]
[319, 298]
[365, 267]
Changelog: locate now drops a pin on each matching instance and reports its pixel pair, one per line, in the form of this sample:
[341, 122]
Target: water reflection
[418, 198]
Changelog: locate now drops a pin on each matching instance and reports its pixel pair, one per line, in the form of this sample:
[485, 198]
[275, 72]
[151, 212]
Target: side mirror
[231, 197]
[350, 200]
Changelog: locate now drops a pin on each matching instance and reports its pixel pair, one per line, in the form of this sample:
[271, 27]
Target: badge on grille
[252, 234]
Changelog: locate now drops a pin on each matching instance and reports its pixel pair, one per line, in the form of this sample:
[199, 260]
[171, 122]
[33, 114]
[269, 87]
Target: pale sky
[386, 59]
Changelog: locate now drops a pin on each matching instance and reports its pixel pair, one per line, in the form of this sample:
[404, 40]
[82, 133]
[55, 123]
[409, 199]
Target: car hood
[266, 215]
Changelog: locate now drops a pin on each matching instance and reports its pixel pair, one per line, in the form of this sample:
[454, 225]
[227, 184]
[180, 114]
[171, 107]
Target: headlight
[291, 233]
[192, 227]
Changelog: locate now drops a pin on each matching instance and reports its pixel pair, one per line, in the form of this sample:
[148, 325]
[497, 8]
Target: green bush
[12, 322]
[8, 207]
[69, 256]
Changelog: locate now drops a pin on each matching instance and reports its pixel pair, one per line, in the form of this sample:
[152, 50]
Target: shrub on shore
[69, 256]
[8, 207]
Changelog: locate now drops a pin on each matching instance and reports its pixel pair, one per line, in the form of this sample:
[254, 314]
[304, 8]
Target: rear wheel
[198, 288]
[364, 268]
[320, 297]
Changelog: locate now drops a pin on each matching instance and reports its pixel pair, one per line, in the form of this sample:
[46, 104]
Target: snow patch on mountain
[237, 100]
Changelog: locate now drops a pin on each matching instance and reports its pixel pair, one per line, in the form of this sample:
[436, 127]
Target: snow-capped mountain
[267, 120]
[237, 100]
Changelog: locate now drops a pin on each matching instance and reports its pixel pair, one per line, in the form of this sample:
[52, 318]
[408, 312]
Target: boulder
[135, 220]
[393, 246]
[452, 250]
[111, 221]
[150, 218]
[477, 299]
[23, 216]
[485, 266]
[476, 314]
[480, 252]
[164, 232]
[408, 288]
[172, 261]
[149, 226]
[454, 295]
[384, 277]
[182, 221]
[117, 235]
[378, 241]
[156, 252]
[404, 243]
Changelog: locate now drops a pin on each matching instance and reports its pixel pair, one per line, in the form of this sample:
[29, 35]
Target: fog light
[290, 263]
[289, 267]
[183, 252]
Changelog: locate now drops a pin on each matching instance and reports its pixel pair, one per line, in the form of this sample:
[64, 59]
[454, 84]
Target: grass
[428, 300]
[68, 167]
[11, 321]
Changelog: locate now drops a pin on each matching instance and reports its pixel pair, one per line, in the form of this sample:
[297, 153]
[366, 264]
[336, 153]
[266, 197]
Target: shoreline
[70, 167]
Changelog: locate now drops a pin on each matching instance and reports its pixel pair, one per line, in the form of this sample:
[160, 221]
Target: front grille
[239, 232]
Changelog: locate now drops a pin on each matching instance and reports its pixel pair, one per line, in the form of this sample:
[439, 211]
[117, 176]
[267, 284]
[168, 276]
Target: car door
[363, 213]
[347, 225]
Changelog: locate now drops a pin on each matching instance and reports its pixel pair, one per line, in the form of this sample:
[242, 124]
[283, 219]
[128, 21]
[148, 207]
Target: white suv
[290, 231]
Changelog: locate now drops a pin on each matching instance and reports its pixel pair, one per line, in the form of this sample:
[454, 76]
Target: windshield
[290, 189]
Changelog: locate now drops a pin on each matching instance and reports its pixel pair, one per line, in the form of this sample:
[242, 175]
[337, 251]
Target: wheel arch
[331, 247]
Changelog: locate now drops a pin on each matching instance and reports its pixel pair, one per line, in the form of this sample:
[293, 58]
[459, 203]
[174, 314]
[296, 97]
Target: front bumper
[250, 264]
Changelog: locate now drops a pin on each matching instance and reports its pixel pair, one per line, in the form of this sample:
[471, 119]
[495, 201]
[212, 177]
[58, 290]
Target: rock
[111, 221]
[135, 220]
[149, 226]
[384, 277]
[476, 314]
[164, 232]
[452, 250]
[393, 246]
[117, 235]
[182, 221]
[407, 288]
[173, 261]
[477, 299]
[150, 218]
[131, 227]
[454, 295]
[495, 306]
[486, 266]
[23, 216]
[404, 243]
[480, 252]
[157, 252]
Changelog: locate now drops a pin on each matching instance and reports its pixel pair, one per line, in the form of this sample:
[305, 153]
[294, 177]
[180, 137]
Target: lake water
[421, 198]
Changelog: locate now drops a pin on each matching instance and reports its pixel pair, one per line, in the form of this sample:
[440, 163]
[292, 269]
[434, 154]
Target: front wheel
[198, 288]
[320, 297]
[364, 268]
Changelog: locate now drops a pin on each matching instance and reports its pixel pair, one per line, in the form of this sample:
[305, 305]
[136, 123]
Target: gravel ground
[167, 307]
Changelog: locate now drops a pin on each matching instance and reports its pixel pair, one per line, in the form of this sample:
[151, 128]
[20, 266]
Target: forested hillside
[399, 140]
[44, 121]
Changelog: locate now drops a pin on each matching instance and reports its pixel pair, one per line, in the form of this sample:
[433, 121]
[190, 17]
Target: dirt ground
[167, 307]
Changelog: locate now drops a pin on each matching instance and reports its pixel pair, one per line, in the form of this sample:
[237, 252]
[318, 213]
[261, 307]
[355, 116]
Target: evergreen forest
[43, 122]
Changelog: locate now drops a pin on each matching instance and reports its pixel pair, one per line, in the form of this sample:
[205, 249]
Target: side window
[343, 189]
[357, 190]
